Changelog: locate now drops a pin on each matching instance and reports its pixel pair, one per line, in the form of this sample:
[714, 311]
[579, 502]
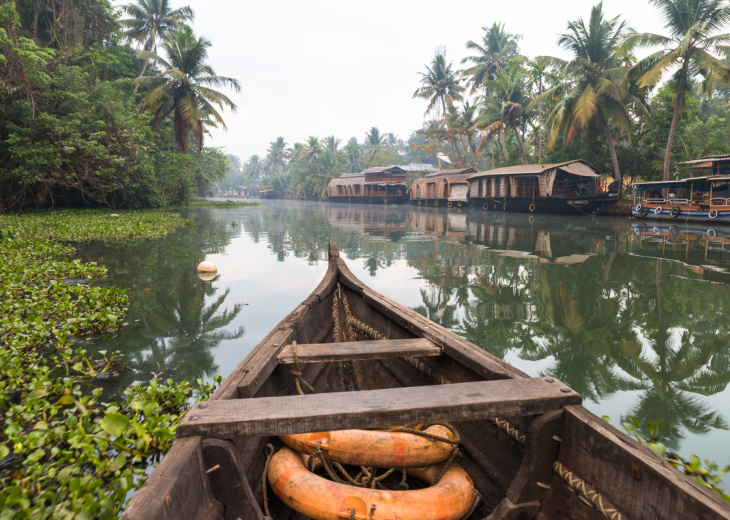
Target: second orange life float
[321, 499]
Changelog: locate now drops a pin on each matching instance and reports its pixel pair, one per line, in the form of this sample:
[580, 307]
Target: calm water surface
[632, 316]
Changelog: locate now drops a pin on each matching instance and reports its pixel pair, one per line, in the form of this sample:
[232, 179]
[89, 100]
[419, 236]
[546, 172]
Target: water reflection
[182, 330]
[633, 317]
[175, 319]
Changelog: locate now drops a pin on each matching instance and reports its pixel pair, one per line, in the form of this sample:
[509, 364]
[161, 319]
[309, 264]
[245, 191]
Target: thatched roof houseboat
[567, 187]
[379, 185]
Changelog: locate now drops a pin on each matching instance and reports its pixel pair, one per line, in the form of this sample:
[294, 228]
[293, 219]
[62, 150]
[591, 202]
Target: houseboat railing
[696, 201]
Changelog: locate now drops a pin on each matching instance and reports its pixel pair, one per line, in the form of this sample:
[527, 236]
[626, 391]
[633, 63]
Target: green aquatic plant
[81, 225]
[709, 475]
[64, 450]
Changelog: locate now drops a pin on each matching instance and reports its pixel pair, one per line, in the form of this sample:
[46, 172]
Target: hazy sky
[325, 67]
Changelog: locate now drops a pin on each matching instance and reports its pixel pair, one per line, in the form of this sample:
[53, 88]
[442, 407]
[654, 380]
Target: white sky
[326, 67]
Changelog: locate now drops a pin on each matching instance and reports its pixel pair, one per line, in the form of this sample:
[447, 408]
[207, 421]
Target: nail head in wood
[194, 418]
[549, 379]
[203, 405]
[565, 390]
[636, 471]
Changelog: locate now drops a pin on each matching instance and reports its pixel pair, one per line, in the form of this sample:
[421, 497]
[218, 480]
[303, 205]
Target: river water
[632, 315]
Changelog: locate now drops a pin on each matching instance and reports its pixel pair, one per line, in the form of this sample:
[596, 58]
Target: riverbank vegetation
[632, 104]
[86, 120]
[65, 449]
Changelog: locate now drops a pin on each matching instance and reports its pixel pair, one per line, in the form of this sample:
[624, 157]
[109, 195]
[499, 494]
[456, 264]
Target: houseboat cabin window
[497, 187]
[431, 190]
[357, 189]
[528, 187]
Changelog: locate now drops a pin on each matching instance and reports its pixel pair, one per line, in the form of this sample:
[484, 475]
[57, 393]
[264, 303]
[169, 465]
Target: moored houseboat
[568, 187]
[379, 185]
[699, 199]
[448, 188]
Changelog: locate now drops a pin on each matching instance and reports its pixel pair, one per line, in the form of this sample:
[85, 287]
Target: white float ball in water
[207, 267]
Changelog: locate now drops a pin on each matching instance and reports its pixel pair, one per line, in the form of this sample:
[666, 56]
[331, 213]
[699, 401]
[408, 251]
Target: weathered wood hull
[527, 443]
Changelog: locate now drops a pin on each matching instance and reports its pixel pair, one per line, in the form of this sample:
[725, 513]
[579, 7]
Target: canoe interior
[223, 478]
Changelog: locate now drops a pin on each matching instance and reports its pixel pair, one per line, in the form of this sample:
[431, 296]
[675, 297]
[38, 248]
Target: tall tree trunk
[458, 152]
[675, 117]
[279, 170]
[136, 85]
[453, 138]
[473, 150]
[502, 141]
[522, 145]
[611, 147]
[147, 46]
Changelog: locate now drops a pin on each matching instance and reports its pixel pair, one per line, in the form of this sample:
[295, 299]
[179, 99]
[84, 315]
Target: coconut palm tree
[276, 158]
[496, 48]
[501, 109]
[332, 143]
[374, 142]
[541, 75]
[184, 87]
[310, 150]
[595, 91]
[151, 20]
[689, 49]
[440, 85]
[354, 154]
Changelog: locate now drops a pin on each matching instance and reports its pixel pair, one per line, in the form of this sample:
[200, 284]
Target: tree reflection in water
[183, 330]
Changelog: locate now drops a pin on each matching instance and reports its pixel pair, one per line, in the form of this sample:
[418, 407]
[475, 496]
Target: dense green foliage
[72, 131]
[65, 451]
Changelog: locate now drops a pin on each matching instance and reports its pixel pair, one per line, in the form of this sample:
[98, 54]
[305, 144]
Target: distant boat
[567, 187]
[697, 199]
[380, 185]
[269, 194]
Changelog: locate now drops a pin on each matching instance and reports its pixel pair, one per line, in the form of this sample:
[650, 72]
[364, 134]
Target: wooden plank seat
[358, 350]
[265, 416]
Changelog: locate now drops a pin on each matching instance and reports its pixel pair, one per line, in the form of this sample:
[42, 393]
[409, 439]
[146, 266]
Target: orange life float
[378, 448]
[322, 499]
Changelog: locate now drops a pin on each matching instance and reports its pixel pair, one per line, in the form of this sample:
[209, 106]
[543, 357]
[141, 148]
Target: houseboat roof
[709, 159]
[576, 167]
[395, 170]
[456, 171]
[689, 180]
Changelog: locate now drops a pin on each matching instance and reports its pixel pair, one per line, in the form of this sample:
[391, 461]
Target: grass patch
[64, 453]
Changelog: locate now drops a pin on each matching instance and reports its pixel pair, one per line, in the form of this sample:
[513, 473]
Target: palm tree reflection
[184, 330]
